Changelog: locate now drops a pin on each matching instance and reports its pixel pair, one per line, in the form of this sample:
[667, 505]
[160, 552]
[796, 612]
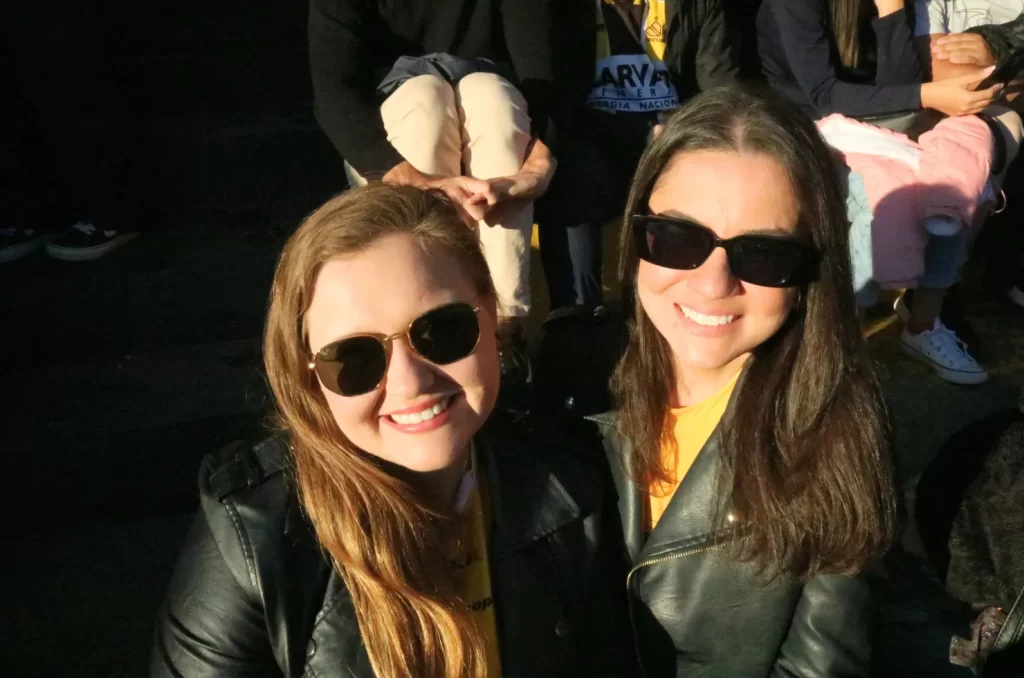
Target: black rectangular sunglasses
[358, 364]
[764, 260]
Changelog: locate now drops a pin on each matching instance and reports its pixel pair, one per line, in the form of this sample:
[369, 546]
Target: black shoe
[516, 391]
[954, 316]
[85, 242]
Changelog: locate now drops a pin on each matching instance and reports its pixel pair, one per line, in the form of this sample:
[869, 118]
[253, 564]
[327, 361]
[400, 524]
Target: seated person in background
[450, 94]
[629, 70]
[815, 52]
[397, 525]
[980, 33]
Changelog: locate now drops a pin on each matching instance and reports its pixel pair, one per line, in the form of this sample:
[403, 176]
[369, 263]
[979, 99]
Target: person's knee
[492, 107]
[426, 103]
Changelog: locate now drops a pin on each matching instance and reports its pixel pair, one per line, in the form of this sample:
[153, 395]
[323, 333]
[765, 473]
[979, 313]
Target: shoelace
[84, 227]
[947, 334]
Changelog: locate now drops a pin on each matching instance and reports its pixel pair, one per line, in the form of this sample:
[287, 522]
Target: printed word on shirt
[630, 75]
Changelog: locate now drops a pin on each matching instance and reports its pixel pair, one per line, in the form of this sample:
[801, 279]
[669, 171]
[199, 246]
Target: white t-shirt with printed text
[956, 16]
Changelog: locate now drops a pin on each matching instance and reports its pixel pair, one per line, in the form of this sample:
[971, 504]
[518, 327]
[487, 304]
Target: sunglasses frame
[387, 340]
[802, 274]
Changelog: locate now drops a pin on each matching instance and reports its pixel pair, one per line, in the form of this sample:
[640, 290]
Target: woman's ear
[489, 308]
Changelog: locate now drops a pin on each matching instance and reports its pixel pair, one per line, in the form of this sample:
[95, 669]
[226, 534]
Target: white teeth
[708, 320]
[426, 415]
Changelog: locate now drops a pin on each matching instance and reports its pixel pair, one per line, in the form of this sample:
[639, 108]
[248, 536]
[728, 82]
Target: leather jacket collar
[695, 516]
[529, 501]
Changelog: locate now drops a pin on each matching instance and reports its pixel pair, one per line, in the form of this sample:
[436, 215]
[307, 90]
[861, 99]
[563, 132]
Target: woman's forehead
[381, 289]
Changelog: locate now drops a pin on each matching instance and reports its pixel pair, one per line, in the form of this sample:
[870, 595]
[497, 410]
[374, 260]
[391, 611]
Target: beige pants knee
[480, 128]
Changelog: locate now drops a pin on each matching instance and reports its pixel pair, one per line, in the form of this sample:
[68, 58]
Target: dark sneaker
[18, 242]
[85, 242]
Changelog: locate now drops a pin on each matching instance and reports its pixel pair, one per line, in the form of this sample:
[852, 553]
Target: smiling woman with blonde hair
[398, 525]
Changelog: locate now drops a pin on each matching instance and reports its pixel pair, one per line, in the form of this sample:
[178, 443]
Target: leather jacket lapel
[528, 501]
[688, 520]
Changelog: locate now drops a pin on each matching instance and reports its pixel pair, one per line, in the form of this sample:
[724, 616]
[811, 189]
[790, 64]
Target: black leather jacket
[1002, 38]
[696, 611]
[253, 596]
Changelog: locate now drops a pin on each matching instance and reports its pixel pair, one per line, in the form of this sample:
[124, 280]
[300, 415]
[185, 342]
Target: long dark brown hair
[806, 444]
[384, 540]
[845, 17]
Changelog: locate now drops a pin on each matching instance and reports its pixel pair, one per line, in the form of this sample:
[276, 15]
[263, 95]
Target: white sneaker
[1016, 295]
[947, 355]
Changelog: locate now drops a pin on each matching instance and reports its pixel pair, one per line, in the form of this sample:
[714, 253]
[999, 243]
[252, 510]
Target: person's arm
[211, 625]
[804, 31]
[342, 34]
[717, 57]
[530, 34]
[898, 62]
[830, 633]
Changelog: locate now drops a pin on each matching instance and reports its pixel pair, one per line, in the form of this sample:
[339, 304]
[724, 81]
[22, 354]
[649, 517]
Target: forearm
[530, 35]
[345, 99]
[898, 60]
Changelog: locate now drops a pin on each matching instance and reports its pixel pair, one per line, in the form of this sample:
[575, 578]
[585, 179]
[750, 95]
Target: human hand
[957, 96]
[514, 192]
[471, 197]
[963, 48]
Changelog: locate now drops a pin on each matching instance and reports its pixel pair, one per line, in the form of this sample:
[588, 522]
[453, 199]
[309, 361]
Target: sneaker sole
[1016, 295]
[88, 253]
[952, 376]
[21, 250]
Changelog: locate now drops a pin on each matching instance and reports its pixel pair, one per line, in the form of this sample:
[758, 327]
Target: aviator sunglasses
[763, 260]
[358, 364]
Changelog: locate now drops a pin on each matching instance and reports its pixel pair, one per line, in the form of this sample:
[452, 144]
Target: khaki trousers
[480, 128]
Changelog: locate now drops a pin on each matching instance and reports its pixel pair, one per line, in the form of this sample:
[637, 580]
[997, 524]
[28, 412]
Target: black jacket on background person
[354, 43]
[253, 595]
[698, 611]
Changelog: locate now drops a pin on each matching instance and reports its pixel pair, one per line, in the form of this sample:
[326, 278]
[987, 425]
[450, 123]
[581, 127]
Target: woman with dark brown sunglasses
[398, 525]
[749, 443]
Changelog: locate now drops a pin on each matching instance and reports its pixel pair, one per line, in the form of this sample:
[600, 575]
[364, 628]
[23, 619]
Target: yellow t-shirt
[691, 426]
[473, 575]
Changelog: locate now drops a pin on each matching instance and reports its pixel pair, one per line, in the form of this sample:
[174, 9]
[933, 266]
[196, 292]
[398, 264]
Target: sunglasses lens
[352, 366]
[446, 334]
[768, 262]
[673, 244]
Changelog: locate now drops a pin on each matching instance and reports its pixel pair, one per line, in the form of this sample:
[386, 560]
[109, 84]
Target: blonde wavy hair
[384, 540]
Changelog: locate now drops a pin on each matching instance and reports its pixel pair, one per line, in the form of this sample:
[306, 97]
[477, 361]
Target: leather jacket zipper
[654, 561]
